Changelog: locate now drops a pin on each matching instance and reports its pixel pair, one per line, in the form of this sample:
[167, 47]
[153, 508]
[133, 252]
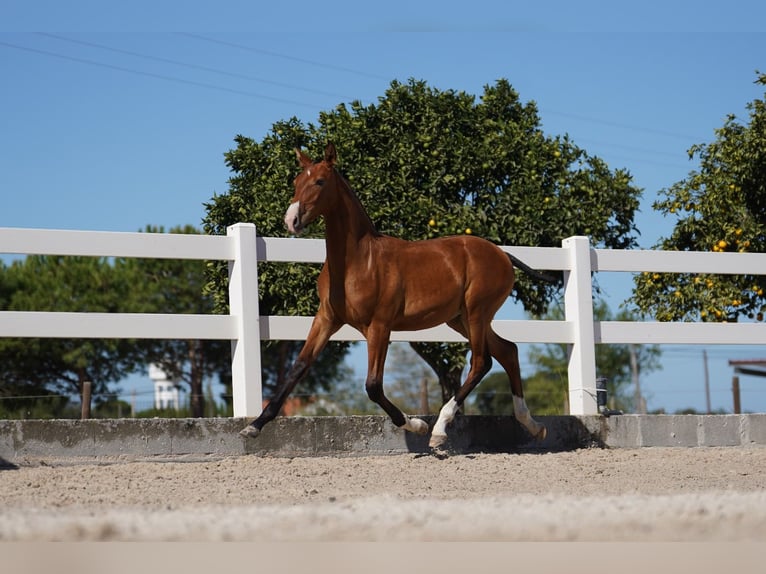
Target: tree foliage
[427, 163]
[719, 207]
[58, 367]
[176, 286]
[40, 366]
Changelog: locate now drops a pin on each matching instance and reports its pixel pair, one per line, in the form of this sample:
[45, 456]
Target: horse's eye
[319, 182]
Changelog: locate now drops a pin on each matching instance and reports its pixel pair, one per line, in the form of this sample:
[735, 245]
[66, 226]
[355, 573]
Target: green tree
[56, 368]
[411, 382]
[277, 356]
[426, 163]
[46, 366]
[176, 286]
[544, 392]
[546, 388]
[19, 397]
[719, 207]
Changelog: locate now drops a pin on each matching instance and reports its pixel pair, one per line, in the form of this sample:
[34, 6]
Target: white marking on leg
[446, 416]
[522, 414]
[417, 426]
[291, 216]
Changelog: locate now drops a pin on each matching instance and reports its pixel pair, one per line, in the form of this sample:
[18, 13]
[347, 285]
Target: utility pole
[707, 382]
[424, 396]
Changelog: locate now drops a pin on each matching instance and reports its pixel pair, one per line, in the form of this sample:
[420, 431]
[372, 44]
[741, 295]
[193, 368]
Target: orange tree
[427, 163]
[719, 207]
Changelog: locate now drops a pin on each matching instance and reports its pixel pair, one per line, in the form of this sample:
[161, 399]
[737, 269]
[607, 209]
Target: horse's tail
[531, 272]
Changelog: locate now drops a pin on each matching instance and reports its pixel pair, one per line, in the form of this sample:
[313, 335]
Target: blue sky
[106, 128]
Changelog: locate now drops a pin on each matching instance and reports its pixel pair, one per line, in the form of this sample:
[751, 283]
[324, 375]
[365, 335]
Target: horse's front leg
[377, 347]
[322, 328]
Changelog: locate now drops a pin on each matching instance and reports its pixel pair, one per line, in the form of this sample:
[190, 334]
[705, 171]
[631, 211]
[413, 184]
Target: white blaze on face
[291, 217]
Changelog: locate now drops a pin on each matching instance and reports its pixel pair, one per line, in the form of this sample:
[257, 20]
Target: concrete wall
[32, 440]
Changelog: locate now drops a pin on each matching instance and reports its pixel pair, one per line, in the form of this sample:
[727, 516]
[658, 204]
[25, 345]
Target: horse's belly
[420, 322]
[418, 315]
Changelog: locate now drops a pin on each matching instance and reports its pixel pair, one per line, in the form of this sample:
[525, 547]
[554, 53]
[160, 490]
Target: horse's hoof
[417, 426]
[440, 453]
[541, 434]
[250, 431]
[436, 442]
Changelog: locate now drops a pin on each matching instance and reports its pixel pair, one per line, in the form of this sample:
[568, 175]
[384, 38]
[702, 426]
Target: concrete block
[669, 430]
[720, 430]
[8, 432]
[138, 437]
[206, 436]
[362, 435]
[285, 436]
[573, 432]
[754, 429]
[623, 431]
[373, 434]
[58, 438]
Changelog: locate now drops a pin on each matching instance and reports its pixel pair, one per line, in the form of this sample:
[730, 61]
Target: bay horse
[378, 284]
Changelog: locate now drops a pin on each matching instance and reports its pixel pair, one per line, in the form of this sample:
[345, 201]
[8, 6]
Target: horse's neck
[349, 229]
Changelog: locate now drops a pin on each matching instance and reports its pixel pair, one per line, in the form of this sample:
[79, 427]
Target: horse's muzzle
[293, 218]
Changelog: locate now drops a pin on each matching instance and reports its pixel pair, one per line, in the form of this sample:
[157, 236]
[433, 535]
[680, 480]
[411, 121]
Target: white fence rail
[245, 328]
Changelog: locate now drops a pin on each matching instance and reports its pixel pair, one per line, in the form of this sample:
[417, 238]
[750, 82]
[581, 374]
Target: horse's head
[315, 190]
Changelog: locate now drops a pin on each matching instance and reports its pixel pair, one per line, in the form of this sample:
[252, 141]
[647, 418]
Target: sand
[648, 494]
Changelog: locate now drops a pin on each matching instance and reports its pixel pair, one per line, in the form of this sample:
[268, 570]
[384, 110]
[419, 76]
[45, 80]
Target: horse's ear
[330, 155]
[303, 159]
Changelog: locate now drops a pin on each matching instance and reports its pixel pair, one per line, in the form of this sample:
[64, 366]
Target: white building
[166, 392]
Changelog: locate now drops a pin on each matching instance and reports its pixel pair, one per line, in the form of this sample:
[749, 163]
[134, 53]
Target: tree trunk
[424, 408]
[197, 398]
[450, 380]
[85, 389]
[449, 373]
[86, 393]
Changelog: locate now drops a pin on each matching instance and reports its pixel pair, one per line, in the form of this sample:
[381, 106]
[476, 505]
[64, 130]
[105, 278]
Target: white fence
[245, 328]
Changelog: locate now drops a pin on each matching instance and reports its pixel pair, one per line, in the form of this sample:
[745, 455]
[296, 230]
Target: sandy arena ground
[650, 494]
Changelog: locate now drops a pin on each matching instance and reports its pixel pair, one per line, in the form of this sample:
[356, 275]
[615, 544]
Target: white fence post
[243, 304]
[578, 302]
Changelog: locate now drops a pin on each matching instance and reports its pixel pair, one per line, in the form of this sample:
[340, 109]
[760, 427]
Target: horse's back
[472, 253]
[459, 262]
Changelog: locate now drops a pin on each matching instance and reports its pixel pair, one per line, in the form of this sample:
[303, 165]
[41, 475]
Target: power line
[292, 86]
[624, 126]
[190, 65]
[159, 76]
[284, 56]
[644, 150]
[376, 76]
[634, 160]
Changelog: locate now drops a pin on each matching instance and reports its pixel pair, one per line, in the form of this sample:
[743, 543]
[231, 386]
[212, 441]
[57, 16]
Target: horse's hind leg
[377, 347]
[507, 354]
[481, 362]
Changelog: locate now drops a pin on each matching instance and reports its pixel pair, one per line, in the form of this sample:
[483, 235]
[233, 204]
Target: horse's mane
[355, 198]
